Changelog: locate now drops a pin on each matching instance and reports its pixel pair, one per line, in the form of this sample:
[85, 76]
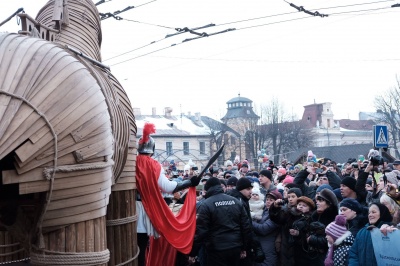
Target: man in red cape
[167, 233]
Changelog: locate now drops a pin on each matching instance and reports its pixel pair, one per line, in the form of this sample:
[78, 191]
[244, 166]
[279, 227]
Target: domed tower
[240, 117]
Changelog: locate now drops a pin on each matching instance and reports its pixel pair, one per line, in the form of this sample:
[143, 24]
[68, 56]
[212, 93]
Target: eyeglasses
[254, 194]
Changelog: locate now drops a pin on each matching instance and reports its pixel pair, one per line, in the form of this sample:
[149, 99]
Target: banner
[386, 248]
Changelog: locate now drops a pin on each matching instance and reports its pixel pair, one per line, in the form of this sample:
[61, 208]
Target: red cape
[177, 233]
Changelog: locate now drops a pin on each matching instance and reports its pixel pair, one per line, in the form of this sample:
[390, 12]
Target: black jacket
[221, 224]
[334, 182]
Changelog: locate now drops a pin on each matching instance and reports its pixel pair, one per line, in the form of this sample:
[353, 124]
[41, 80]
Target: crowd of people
[314, 213]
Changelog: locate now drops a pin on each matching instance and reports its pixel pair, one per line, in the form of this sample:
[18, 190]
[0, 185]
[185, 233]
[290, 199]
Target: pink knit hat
[282, 171]
[337, 228]
[287, 180]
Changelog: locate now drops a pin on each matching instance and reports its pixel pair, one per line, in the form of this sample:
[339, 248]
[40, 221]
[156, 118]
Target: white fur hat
[256, 190]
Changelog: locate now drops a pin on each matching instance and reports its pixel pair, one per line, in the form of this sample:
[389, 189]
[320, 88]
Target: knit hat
[299, 166]
[337, 228]
[228, 163]
[243, 183]
[256, 190]
[321, 187]
[275, 194]
[296, 191]
[307, 201]
[222, 181]
[288, 179]
[352, 204]
[227, 173]
[329, 196]
[232, 181]
[212, 181]
[391, 177]
[282, 171]
[385, 215]
[337, 193]
[266, 173]
[349, 182]
[255, 174]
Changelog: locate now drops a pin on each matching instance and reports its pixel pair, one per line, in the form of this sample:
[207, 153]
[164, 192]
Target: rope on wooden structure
[14, 261]
[131, 259]
[11, 253]
[9, 245]
[121, 221]
[41, 217]
[70, 258]
[48, 172]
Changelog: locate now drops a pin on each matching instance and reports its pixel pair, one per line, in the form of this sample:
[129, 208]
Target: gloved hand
[195, 180]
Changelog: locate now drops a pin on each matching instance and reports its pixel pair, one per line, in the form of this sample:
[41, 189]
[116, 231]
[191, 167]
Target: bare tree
[278, 133]
[388, 109]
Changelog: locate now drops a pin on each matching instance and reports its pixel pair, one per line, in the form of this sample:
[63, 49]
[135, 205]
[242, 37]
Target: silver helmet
[146, 147]
[146, 143]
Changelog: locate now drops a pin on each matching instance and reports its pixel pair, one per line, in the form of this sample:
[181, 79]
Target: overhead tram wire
[180, 31]
[185, 29]
[107, 15]
[248, 27]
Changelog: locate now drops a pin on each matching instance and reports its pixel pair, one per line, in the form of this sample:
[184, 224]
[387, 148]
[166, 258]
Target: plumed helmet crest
[146, 143]
[148, 129]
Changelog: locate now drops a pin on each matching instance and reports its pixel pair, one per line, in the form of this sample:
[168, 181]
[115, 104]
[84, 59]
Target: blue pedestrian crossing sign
[381, 138]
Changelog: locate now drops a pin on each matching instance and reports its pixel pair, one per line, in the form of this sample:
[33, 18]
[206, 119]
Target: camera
[355, 165]
[376, 160]
[195, 168]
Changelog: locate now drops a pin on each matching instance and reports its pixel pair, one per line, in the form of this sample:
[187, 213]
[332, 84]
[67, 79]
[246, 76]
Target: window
[202, 147]
[233, 140]
[185, 148]
[169, 147]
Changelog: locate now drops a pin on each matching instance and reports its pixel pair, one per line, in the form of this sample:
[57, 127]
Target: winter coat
[327, 216]
[285, 217]
[310, 191]
[252, 236]
[221, 224]
[341, 249]
[357, 223]
[256, 209]
[362, 252]
[267, 230]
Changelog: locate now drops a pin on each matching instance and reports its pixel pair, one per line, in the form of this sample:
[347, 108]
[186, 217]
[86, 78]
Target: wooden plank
[73, 211]
[126, 174]
[77, 201]
[12, 177]
[110, 231]
[120, 187]
[67, 145]
[126, 179]
[60, 123]
[70, 235]
[75, 219]
[97, 230]
[79, 191]
[89, 235]
[80, 236]
[91, 126]
[65, 183]
[58, 11]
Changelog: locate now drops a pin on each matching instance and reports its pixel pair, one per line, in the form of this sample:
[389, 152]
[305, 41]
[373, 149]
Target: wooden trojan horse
[67, 144]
